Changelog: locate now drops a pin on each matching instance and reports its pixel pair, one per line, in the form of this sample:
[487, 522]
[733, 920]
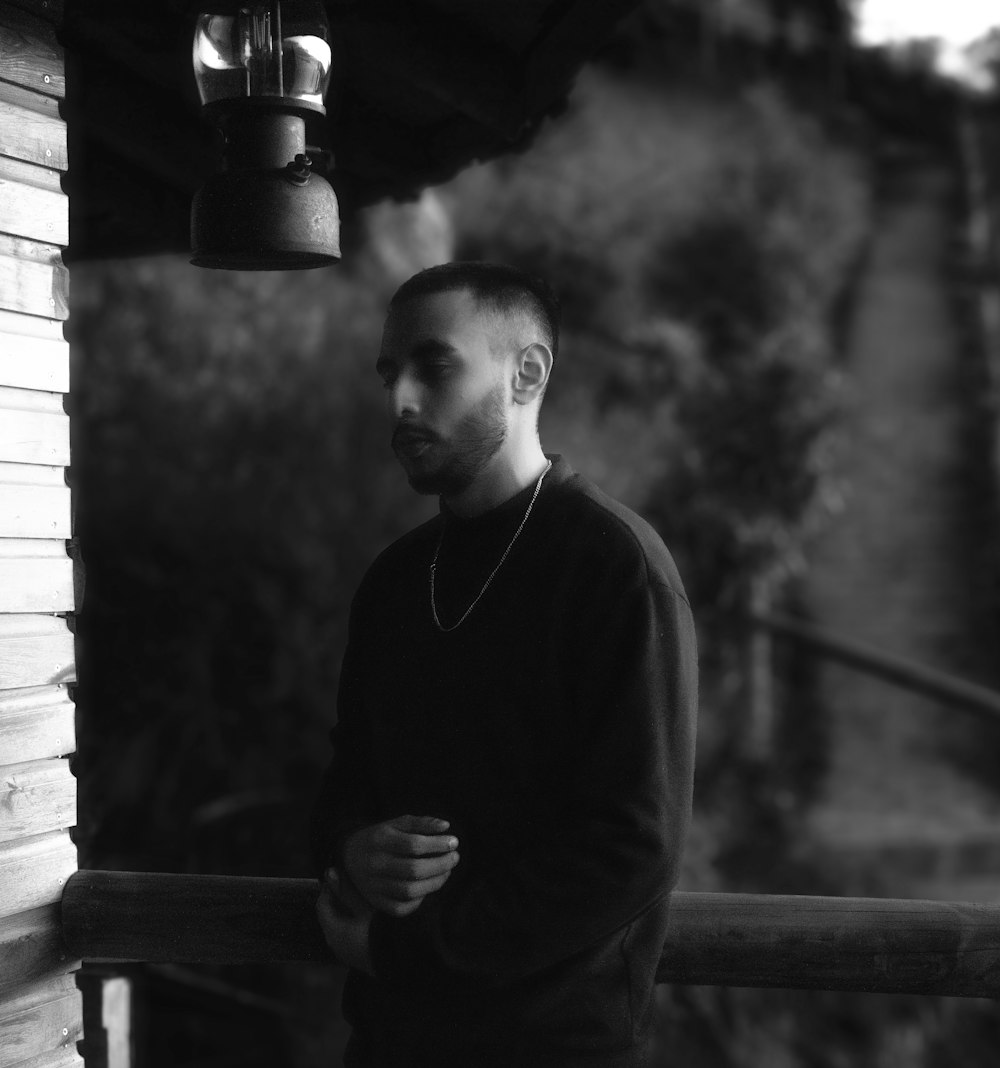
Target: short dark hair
[498, 286]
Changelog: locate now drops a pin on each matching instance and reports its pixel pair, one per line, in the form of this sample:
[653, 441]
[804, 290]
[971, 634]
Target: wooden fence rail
[819, 943]
[896, 669]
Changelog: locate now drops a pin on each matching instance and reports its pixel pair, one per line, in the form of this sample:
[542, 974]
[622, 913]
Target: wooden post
[107, 1014]
[812, 943]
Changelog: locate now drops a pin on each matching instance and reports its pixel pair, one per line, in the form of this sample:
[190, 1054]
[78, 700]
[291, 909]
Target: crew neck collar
[498, 514]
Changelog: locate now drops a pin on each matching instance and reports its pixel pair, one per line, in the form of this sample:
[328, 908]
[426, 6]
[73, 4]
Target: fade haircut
[498, 287]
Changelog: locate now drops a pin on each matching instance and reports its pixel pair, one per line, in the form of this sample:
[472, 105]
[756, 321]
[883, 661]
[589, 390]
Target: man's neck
[504, 477]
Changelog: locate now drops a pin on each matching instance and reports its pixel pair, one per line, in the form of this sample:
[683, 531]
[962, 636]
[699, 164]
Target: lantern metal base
[265, 220]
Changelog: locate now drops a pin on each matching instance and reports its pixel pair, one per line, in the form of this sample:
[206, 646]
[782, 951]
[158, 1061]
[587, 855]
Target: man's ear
[531, 372]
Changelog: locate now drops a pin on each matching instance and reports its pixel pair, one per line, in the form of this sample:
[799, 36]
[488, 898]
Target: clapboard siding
[40, 363]
[24, 248]
[34, 288]
[29, 53]
[42, 1020]
[32, 951]
[34, 657]
[31, 129]
[33, 211]
[33, 871]
[40, 1008]
[35, 798]
[15, 170]
[33, 510]
[35, 576]
[34, 429]
[40, 103]
[30, 326]
[35, 650]
[36, 722]
[65, 1058]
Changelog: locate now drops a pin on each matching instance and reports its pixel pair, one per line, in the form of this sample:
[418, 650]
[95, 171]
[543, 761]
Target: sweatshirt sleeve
[613, 846]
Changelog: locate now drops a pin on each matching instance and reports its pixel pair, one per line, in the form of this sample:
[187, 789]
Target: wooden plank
[32, 949]
[116, 1017]
[34, 362]
[31, 400]
[34, 288]
[34, 511]
[24, 248]
[35, 798]
[35, 650]
[35, 576]
[26, 98]
[34, 429]
[15, 170]
[33, 871]
[134, 916]
[879, 945]
[32, 474]
[49, 10]
[29, 53]
[823, 943]
[28, 211]
[36, 723]
[19, 325]
[29, 1030]
[35, 136]
[64, 1057]
[14, 548]
[37, 992]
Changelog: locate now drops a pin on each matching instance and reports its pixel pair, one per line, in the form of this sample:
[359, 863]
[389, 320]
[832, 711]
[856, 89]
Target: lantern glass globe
[272, 50]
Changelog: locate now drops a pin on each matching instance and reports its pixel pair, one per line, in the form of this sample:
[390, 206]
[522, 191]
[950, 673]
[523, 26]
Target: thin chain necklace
[492, 574]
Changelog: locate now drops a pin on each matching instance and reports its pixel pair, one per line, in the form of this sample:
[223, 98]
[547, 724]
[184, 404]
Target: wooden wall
[40, 1011]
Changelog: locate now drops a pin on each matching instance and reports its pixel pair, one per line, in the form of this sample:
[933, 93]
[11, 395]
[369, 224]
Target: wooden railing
[899, 670]
[819, 943]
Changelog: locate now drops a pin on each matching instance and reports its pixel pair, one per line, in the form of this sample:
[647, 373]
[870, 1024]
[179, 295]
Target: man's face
[448, 396]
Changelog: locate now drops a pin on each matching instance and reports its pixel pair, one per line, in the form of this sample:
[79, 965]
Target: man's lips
[411, 441]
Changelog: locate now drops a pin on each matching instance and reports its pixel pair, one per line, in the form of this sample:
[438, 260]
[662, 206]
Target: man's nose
[405, 396]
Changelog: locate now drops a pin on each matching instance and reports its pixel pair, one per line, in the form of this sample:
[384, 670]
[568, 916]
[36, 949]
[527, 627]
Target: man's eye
[432, 372]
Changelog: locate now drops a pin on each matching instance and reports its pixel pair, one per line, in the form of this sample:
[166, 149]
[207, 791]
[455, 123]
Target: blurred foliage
[232, 480]
[703, 249]
[700, 271]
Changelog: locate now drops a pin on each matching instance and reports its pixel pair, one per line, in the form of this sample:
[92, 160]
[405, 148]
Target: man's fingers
[415, 868]
[410, 844]
[394, 863]
[421, 889]
[405, 890]
[419, 824]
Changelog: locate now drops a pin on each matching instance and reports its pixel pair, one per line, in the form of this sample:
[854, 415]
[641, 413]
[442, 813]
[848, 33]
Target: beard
[450, 465]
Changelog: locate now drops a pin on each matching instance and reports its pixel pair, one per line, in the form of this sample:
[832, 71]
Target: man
[503, 819]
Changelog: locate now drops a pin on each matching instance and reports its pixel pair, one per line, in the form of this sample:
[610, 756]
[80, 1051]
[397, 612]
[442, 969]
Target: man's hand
[345, 919]
[396, 864]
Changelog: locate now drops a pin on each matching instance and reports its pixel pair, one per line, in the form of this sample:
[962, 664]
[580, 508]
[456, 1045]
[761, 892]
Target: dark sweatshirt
[555, 730]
